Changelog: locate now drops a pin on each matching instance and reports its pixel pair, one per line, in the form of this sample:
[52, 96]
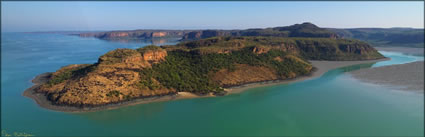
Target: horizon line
[109, 30]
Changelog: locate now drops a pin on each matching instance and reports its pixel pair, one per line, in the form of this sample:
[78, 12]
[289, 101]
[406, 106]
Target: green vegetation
[115, 93]
[69, 73]
[188, 64]
[116, 56]
[298, 30]
[148, 48]
[308, 48]
[60, 78]
[185, 71]
[188, 70]
[147, 81]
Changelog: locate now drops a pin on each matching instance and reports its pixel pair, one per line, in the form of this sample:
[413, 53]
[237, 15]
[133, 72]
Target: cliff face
[158, 34]
[136, 34]
[117, 34]
[154, 56]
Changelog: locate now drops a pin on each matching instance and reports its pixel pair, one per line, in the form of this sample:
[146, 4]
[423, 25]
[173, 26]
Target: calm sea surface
[334, 104]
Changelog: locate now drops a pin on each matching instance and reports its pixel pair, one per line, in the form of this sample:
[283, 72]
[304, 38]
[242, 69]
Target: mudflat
[409, 76]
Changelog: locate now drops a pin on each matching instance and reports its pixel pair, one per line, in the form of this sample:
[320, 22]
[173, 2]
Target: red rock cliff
[158, 34]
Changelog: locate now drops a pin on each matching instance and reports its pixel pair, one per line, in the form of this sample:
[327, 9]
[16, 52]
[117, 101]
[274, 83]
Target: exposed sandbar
[408, 76]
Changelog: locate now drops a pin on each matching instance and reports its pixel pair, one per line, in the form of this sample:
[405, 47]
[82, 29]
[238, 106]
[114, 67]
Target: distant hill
[137, 34]
[297, 30]
[379, 37]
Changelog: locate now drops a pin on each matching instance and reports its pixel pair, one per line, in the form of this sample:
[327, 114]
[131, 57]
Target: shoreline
[321, 68]
[42, 101]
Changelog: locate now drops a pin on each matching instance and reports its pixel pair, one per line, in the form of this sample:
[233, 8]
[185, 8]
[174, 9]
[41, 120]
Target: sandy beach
[41, 99]
[409, 77]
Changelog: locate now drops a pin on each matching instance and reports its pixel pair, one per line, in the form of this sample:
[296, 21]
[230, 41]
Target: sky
[98, 16]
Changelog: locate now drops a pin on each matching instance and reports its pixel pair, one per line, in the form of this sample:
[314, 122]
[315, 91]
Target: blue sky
[54, 16]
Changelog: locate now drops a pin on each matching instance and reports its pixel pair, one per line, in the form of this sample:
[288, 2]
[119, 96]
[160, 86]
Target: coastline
[43, 102]
[321, 68]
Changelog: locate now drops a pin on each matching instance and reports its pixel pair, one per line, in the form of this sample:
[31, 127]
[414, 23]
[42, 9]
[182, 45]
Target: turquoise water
[334, 104]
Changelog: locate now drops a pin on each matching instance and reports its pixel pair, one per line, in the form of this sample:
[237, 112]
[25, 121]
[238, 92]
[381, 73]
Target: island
[204, 67]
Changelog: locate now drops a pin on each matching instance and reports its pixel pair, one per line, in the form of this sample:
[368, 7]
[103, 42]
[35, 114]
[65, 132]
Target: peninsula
[204, 67]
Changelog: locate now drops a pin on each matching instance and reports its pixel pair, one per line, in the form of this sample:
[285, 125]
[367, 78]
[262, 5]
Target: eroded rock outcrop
[136, 34]
[116, 77]
[260, 49]
[158, 34]
[154, 56]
